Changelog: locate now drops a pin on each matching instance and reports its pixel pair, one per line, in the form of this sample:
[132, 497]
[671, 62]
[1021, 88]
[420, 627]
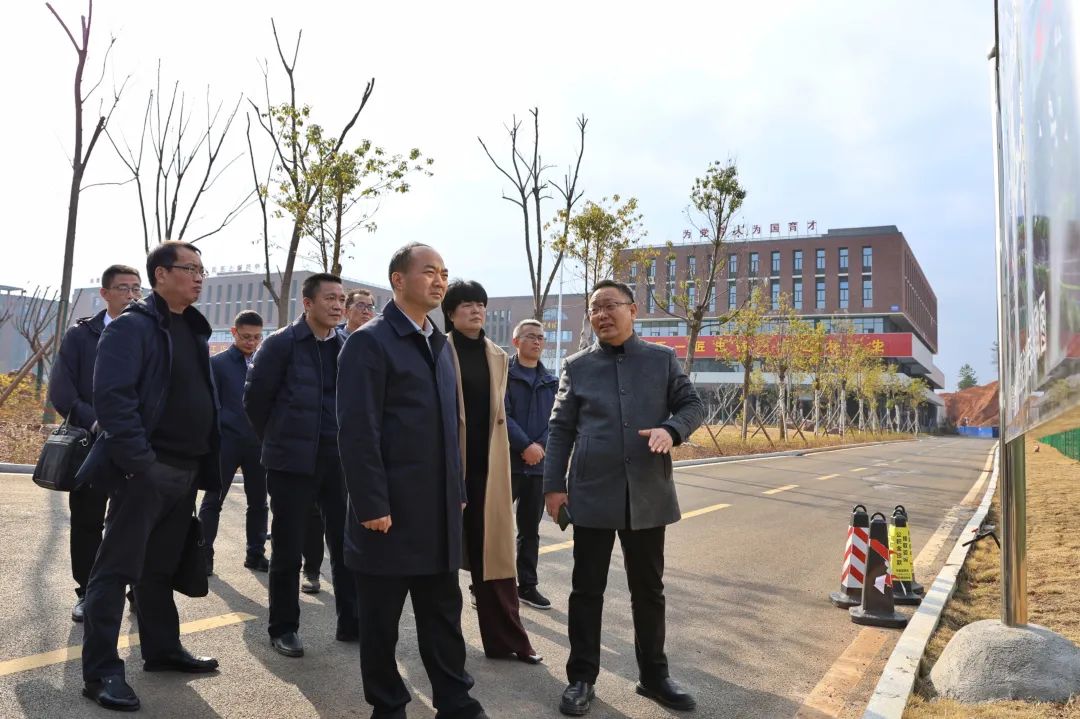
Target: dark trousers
[87, 506]
[643, 555]
[245, 456]
[529, 494]
[436, 602]
[497, 607]
[145, 530]
[313, 542]
[291, 496]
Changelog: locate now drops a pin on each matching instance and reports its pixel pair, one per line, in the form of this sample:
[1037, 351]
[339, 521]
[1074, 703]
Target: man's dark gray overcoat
[605, 397]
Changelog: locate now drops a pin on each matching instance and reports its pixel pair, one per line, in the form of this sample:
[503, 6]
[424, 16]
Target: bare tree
[527, 179]
[293, 142]
[36, 318]
[81, 155]
[175, 154]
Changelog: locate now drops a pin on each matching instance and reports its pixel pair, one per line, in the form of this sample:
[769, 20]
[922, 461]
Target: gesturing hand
[660, 441]
[382, 524]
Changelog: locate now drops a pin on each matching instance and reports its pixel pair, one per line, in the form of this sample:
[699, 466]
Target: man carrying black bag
[71, 385]
[157, 409]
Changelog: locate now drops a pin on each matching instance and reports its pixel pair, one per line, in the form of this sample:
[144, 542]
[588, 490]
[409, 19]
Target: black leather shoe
[667, 692]
[181, 660]
[258, 562]
[288, 645]
[577, 699]
[112, 693]
[78, 610]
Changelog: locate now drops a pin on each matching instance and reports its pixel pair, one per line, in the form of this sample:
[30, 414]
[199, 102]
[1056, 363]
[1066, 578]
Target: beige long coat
[499, 532]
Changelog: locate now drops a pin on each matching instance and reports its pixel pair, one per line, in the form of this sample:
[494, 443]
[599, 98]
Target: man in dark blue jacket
[530, 394]
[157, 408]
[290, 400]
[398, 419]
[239, 445]
[71, 388]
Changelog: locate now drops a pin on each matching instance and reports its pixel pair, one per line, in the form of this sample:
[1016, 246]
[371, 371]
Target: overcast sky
[846, 113]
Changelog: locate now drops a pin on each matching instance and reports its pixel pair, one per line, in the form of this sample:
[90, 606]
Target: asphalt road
[750, 630]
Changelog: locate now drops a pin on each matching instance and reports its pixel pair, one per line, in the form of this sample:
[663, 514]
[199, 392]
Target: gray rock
[986, 661]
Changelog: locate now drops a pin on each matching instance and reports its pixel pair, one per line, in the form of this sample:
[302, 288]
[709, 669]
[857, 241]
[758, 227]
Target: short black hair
[350, 299]
[311, 284]
[402, 258]
[164, 255]
[461, 291]
[112, 271]
[620, 286]
[248, 318]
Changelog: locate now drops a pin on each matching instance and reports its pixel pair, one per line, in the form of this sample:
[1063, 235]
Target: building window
[731, 295]
[712, 299]
[843, 259]
[796, 295]
[774, 293]
[633, 271]
[671, 269]
[819, 260]
[819, 294]
[776, 263]
[670, 300]
[796, 262]
[867, 257]
[754, 263]
[691, 266]
[732, 265]
[650, 302]
[251, 291]
[867, 293]
[843, 293]
[691, 297]
[652, 270]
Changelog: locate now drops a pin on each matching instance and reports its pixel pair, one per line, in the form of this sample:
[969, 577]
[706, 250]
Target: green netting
[1068, 443]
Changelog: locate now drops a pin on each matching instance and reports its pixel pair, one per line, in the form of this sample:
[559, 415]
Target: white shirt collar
[427, 330]
[108, 318]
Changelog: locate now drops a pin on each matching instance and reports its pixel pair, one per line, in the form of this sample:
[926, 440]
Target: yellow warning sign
[900, 549]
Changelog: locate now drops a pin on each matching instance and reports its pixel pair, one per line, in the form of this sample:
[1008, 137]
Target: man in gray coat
[622, 405]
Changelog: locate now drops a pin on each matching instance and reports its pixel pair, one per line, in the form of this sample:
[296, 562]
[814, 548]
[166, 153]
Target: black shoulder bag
[64, 452]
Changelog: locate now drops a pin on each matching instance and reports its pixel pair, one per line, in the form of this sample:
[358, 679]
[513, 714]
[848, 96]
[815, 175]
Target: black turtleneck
[476, 394]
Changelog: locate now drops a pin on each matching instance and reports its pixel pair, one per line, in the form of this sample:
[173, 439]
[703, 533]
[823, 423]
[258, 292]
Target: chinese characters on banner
[742, 232]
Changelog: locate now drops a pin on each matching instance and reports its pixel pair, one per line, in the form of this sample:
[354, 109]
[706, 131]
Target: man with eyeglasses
[240, 446]
[530, 393]
[621, 406]
[359, 310]
[157, 408]
[71, 389]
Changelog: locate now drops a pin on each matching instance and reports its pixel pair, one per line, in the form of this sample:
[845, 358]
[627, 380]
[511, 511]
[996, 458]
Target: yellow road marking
[829, 698]
[704, 510]
[827, 476]
[556, 547]
[58, 656]
[859, 469]
[778, 490]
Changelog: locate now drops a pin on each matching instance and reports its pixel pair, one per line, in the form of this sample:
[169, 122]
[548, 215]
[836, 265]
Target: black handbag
[190, 576]
[64, 452]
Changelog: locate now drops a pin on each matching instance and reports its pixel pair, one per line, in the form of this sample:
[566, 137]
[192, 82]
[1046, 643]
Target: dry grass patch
[21, 431]
[701, 445]
[1053, 491]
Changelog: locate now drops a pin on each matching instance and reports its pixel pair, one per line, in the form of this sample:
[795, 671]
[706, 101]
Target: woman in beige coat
[489, 519]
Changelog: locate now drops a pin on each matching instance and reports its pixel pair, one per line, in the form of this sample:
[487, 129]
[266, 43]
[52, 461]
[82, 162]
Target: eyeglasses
[608, 308]
[193, 270]
[128, 289]
[248, 337]
[532, 338]
[364, 307]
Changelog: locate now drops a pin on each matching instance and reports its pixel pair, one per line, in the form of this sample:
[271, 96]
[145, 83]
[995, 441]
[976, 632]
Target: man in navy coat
[397, 431]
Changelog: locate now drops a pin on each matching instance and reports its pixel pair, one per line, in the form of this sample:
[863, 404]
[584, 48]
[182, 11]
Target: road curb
[787, 453]
[897, 681]
[29, 468]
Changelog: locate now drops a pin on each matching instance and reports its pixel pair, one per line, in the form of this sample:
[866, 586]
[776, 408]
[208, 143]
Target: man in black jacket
[157, 408]
[71, 387]
[290, 400]
[239, 445]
